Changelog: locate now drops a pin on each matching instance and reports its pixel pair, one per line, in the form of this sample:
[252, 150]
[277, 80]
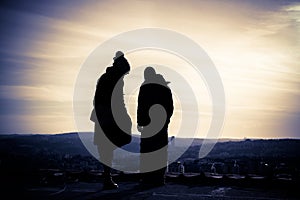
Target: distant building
[176, 167]
[172, 141]
[236, 168]
[213, 169]
[180, 167]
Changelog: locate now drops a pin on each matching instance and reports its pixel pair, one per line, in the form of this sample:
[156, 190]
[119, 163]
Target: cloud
[254, 45]
[37, 93]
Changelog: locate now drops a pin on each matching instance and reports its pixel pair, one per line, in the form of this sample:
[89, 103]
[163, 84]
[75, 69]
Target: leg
[106, 156]
[153, 165]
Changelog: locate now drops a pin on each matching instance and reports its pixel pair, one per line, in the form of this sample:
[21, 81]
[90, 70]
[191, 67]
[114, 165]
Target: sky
[253, 44]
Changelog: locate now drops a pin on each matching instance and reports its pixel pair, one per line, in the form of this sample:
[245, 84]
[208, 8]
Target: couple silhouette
[113, 125]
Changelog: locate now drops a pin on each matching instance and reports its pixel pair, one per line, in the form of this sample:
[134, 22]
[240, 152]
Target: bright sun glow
[254, 50]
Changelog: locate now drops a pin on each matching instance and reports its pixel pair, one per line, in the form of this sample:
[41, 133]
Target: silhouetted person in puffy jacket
[112, 122]
[153, 124]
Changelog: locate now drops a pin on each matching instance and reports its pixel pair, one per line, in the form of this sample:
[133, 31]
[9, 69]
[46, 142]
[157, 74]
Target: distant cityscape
[56, 159]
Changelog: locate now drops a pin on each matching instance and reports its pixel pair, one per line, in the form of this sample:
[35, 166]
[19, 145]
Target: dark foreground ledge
[80, 185]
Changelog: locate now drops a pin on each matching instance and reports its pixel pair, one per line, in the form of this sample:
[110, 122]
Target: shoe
[109, 184]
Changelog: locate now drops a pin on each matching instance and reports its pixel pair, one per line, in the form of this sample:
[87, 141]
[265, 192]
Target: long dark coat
[153, 92]
[108, 95]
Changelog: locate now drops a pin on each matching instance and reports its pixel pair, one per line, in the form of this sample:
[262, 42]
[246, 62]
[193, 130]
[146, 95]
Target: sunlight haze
[253, 44]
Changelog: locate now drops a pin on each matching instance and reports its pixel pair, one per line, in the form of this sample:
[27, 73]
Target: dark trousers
[154, 156]
[106, 156]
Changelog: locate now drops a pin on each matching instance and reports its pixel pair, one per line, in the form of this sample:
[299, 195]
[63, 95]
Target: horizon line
[221, 138]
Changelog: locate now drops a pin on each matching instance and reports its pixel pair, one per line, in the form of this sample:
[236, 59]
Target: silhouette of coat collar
[157, 79]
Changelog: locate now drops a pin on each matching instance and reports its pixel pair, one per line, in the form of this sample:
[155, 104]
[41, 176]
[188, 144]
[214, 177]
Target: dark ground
[180, 186]
[131, 190]
[46, 167]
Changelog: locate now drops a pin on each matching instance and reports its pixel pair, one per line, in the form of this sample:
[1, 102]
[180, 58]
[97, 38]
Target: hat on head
[118, 54]
[149, 72]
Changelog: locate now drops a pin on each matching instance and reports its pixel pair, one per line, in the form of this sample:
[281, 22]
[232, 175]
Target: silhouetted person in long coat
[153, 125]
[112, 122]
